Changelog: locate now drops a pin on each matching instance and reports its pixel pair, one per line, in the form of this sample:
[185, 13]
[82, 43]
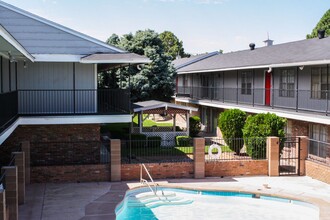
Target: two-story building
[48, 80]
[290, 80]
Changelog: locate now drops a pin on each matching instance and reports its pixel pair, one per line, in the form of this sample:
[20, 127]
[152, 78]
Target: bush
[182, 141]
[194, 126]
[138, 140]
[231, 123]
[257, 128]
[154, 141]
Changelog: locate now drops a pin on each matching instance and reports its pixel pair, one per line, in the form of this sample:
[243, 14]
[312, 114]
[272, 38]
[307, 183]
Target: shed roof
[305, 52]
[154, 104]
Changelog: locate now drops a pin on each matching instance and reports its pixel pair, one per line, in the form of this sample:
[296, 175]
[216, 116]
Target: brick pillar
[273, 155]
[115, 160]
[199, 158]
[2, 204]
[303, 155]
[26, 149]
[11, 191]
[20, 164]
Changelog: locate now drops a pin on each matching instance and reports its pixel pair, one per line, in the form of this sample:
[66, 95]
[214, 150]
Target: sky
[202, 25]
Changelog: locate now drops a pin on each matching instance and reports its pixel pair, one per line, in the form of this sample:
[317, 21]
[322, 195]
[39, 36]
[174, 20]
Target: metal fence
[319, 151]
[69, 153]
[305, 100]
[156, 151]
[7, 159]
[220, 149]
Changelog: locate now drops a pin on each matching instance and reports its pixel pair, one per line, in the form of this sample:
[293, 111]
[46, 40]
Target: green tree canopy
[151, 81]
[323, 24]
[172, 45]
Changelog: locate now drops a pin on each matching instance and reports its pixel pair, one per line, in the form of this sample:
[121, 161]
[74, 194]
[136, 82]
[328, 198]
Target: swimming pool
[194, 204]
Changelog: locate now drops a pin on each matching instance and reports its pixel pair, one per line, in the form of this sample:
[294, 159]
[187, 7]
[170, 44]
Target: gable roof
[305, 52]
[41, 36]
[180, 63]
[154, 104]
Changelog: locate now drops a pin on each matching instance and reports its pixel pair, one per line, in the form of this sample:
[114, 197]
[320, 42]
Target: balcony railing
[62, 102]
[307, 100]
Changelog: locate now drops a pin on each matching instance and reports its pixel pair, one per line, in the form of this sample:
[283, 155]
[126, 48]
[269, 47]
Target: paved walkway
[97, 201]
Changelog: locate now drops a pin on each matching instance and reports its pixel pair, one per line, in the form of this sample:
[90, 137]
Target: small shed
[158, 111]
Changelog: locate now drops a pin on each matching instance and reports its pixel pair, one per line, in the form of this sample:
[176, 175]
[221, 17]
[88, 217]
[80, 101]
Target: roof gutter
[304, 63]
[10, 39]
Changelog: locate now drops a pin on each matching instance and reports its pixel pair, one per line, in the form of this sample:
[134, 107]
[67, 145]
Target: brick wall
[236, 168]
[158, 171]
[54, 133]
[299, 128]
[75, 173]
[318, 171]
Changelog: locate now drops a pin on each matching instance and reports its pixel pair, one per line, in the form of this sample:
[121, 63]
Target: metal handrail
[144, 181]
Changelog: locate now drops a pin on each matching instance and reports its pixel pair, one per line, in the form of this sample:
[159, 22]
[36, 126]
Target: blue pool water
[190, 204]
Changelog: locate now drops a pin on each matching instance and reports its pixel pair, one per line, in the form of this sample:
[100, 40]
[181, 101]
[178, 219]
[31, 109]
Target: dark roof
[311, 50]
[182, 62]
[154, 104]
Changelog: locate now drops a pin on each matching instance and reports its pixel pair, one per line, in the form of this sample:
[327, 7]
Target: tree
[151, 81]
[172, 45]
[257, 128]
[231, 123]
[323, 24]
[194, 126]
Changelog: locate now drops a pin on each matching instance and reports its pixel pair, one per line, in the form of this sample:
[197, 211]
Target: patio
[91, 201]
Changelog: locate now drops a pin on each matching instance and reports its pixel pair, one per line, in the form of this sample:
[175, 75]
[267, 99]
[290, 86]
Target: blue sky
[202, 25]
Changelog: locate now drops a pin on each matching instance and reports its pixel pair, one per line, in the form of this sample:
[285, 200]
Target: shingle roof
[310, 50]
[41, 36]
[180, 63]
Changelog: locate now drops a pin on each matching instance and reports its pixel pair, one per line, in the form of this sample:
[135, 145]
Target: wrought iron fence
[306, 100]
[319, 151]
[235, 149]
[69, 153]
[156, 151]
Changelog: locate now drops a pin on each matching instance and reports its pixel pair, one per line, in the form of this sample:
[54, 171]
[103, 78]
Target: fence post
[273, 156]
[11, 191]
[3, 210]
[115, 160]
[26, 149]
[199, 158]
[302, 155]
[20, 164]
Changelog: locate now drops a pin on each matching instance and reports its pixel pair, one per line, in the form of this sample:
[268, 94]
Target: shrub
[154, 141]
[257, 128]
[138, 140]
[231, 123]
[194, 126]
[182, 141]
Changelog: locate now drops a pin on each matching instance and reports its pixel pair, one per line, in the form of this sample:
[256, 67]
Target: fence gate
[289, 156]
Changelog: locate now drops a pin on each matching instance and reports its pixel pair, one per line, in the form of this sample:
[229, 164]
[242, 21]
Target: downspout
[297, 87]
[1, 72]
[326, 111]
[74, 86]
[237, 87]
[253, 75]
[9, 67]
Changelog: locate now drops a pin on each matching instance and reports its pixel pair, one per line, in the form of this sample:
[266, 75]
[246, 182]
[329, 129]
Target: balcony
[62, 102]
[298, 100]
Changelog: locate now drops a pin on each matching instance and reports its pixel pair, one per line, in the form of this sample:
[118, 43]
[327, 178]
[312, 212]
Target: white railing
[145, 182]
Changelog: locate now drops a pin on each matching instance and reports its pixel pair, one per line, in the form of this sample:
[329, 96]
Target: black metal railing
[80, 101]
[8, 109]
[235, 149]
[305, 100]
[319, 151]
[7, 159]
[69, 153]
[156, 151]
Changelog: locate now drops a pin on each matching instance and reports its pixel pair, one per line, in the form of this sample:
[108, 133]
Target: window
[319, 83]
[318, 134]
[287, 83]
[246, 86]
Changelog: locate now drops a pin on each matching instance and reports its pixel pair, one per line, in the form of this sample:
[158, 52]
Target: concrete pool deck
[97, 201]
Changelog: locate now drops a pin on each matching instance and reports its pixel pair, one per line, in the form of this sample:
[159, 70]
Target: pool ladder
[145, 182]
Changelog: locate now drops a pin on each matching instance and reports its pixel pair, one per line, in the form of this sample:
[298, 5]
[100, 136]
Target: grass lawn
[150, 123]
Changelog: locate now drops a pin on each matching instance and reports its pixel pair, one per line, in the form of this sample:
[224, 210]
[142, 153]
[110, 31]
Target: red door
[268, 86]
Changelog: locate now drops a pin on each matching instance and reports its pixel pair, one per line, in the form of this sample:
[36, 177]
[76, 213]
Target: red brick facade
[76, 173]
[318, 171]
[54, 133]
[236, 168]
[158, 171]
